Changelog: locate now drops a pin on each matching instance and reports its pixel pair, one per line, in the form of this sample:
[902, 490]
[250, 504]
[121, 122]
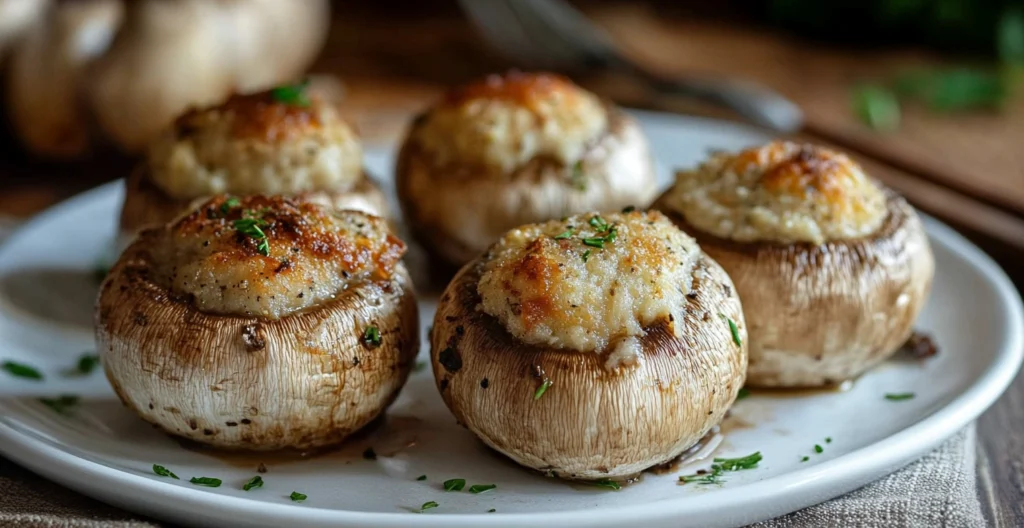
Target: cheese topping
[256, 144]
[780, 192]
[503, 122]
[589, 281]
[298, 256]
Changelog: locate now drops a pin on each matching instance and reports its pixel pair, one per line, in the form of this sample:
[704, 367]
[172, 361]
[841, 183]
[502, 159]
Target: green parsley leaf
[708, 477]
[292, 94]
[454, 484]
[371, 336]
[877, 107]
[586, 255]
[818, 448]
[255, 482]
[428, 505]
[805, 459]
[421, 477]
[598, 223]
[60, 405]
[542, 389]
[492, 510]
[566, 234]
[481, 488]
[209, 482]
[297, 497]
[735, 464]
[251, 227]
[229, 204]
[606, 483]
[164, 472]
[828, 439]
[86, 364]
[742, 394]
[263, 247]
[578, 178]
[900, 396]
[19, 370]
[733, 329]
[597, 242]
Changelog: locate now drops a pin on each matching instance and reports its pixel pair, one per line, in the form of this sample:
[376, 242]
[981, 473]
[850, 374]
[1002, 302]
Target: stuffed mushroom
[283, 141]
[516, 149]
[592, 347]
[832, 267]
[260, 323]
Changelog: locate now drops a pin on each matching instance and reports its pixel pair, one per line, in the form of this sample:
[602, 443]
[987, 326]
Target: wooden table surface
[968, 170]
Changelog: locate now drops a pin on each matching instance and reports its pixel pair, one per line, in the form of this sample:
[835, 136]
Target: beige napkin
[938, 490]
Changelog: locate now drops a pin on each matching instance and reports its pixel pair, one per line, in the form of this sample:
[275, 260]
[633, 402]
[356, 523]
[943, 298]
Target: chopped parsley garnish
[733, 329]
[60, 405]
[421, 477]
[454, 484]
[209, 482]
[19, 370]
[586, 255]
[371, 336]
[805, 459]
[229, 204]
[251, 227]
[900, 396]
[566, 234]
[255, 482]
[492, 510]
[292, 94]
[735, 464]
[597, 242]
[743, 393]
[428, 505]
[164, 472]
[598, 223]
[720, 466]
[828, 439]
[86, 364]
[297, 497]
[607, 483]
[481, 488]
[542, 389]
[578, 179]
[818, 448]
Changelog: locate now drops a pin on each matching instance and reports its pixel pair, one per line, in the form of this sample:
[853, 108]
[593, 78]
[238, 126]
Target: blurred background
[925, 93]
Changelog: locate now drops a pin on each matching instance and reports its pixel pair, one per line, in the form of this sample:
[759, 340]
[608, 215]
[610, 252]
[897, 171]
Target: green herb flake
[19, 370]
[292, 94]
[707, 477]
[828, 439]
[164, 472]
[61, 404]
[733, 329]
[606, 483]
[598, 223]
[209, 482]
[252, 228]
[805, 459]
[900, 396]
[542, 389]
[586, 255]
[428, 506]
[578, 178]
[743, 393]
[421, 477]
[492, 510]
[597, 242]
[735, 464]
[371, 336]
[297, 497]
[454, 484]
[818, 448]
[482, 488]
[255, 482]
[87, 363]
[877, 107]
[565, 234]
[229, 204]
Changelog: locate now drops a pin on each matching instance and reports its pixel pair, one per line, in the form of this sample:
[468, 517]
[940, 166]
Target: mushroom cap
[459, 201]
[301, 378]
[591, 422]
[819, 314]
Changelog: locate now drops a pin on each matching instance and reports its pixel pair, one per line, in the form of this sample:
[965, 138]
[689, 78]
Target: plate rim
[856, 467]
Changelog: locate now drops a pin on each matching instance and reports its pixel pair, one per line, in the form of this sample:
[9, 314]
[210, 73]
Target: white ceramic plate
[102, 450]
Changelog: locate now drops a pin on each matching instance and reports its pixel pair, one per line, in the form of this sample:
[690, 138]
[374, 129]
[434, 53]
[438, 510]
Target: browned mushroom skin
[619, 172]
[590, 423]
[302, 381]
[821, 314]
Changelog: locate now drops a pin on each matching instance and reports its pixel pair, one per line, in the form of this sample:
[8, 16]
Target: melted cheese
[314, 253]
[255, 144]
[503, 122]
[780, 192]
[547, 286]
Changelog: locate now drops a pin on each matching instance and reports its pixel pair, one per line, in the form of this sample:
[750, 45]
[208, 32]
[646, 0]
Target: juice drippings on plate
[803, 392]
[702, 450]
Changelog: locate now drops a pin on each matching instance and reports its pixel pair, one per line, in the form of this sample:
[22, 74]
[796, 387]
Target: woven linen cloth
[938, 490]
